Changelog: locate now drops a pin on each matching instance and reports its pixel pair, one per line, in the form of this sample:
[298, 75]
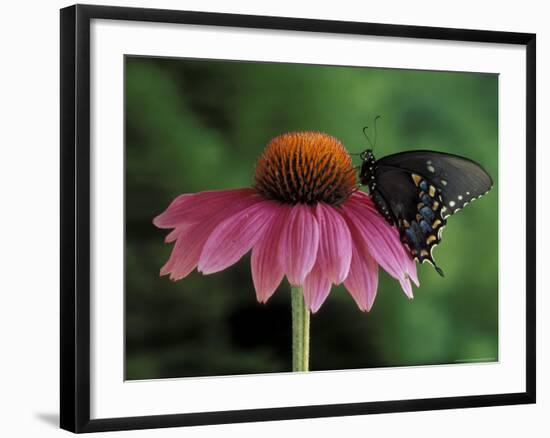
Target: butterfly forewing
[458, 179]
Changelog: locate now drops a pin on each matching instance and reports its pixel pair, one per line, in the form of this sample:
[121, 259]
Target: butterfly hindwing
[458, 179]
[414, 205]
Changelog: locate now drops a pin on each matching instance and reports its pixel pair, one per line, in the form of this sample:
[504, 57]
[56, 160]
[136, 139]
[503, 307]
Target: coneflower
[303, 218]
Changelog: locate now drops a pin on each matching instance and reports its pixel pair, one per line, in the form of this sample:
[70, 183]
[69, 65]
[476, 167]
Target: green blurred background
[194, 125]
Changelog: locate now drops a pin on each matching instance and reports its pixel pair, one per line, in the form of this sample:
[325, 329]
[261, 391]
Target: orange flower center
[305, 167]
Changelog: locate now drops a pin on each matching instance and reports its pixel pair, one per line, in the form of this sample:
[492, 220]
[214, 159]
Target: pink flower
[304, 219]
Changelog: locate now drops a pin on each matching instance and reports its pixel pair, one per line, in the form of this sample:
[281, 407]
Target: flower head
[303, 219]
[305, 168]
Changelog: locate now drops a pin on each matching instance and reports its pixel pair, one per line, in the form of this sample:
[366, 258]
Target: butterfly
[418, 190]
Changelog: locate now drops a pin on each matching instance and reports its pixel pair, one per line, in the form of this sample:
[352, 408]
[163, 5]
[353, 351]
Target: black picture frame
[75, 217]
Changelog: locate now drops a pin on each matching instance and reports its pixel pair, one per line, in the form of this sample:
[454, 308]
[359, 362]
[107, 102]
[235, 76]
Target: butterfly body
[418, 190]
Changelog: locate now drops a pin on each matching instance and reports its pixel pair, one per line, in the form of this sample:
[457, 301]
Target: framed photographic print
[253, 210]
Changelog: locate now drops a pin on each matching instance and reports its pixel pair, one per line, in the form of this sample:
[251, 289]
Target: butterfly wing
[415, 206]
[458, 179]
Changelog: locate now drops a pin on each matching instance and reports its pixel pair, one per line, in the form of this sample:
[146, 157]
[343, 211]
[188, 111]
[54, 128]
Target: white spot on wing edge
[432, 249]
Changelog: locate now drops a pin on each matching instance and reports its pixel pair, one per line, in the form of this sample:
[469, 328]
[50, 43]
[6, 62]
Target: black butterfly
[418, 190]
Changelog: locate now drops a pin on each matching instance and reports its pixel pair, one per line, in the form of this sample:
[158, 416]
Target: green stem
[300, 330]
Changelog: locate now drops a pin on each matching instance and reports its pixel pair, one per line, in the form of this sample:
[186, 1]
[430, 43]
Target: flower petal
[176, 232]
[335, 246]
[407, 288]
[186, 252]
[195, 207]
[316, 288]
[235, 236]
[299, 244]
[267, 272]
[362, 281]
[172, 216]
[192, 237]
[408, 263]
[381, 239]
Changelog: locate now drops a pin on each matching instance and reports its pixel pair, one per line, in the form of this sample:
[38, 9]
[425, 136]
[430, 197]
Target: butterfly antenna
[367, 136]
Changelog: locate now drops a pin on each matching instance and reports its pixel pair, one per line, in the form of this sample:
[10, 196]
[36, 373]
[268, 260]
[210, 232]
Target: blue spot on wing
[427, 200]
[426, 227]
[414, 235]
[427, 213]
